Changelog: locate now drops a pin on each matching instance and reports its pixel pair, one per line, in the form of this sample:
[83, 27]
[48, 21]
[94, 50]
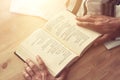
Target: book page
[43, 8]
[112, 44]
[117, 11]
[54, 54]
[65, 29]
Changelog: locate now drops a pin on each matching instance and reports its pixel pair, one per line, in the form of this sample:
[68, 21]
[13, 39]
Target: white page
[112, 44]
[55, 55]
[64, 27]
[42, 8]
[117, 10]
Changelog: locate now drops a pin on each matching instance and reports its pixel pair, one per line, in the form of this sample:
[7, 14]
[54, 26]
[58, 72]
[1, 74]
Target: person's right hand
[108, 26]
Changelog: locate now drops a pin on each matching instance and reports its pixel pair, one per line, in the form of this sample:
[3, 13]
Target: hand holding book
[33, 72]
[108, 26]
[59, 43]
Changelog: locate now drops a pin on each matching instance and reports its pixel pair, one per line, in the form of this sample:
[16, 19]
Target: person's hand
[108, 26]
[32, 72]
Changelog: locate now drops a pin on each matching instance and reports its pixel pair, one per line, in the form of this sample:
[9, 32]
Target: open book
[59, 43]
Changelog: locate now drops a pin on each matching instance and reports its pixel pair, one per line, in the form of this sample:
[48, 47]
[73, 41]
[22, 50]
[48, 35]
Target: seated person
[108, 26]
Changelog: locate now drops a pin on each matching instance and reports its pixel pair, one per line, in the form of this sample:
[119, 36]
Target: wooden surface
[97, 64]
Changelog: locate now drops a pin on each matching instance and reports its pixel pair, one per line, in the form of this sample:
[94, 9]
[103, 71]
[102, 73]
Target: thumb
[102, 39]
[63, 75]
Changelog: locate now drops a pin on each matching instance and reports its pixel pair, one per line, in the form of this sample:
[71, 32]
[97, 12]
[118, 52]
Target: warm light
[38, 7]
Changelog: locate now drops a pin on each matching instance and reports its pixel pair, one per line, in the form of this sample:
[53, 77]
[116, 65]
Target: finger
[44, 75]
[101, 40]
[87, 18]
[96, 26]
[32, 65]
[87, 25]
[38, 77]
[26, 76]
[41, 63]
[107, 29]
[44, 71]
[63, 75]
[29, 70]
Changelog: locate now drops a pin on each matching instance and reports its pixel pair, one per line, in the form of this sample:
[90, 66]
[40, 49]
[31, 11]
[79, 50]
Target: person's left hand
[32, 72]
